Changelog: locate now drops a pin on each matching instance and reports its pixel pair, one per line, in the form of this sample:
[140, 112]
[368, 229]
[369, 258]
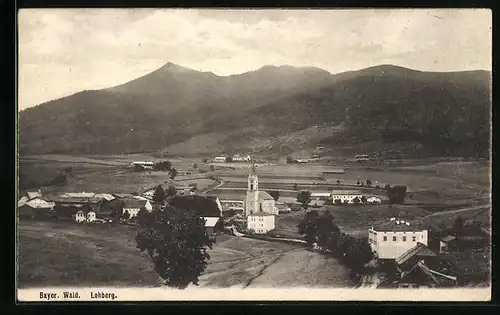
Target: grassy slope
[57, 253]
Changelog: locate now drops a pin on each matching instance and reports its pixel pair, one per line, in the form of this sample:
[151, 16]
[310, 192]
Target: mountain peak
[172, 67]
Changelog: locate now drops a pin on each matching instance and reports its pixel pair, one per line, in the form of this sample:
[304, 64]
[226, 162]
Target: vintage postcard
[223, 154]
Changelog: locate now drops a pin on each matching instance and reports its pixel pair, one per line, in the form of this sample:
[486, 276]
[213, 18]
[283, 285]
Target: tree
[387, 187]
[356, 201]
[171, 191]
[212, 168]
[357, 253]
[368, 183]
[159, 195]
[396, 194]
[177, 243]
[363, 200]
[308, 228]
[304, 198]
[338, 182]
[295, 186]
[205, 160]
[68, 170]
[173, 173]
[163, 166]
[458, 225]
[195, 166]
[229, 159]
[338, 201]
[358, 183]
[289, 160]
[60, 179]
[328, 233]
[275, 194]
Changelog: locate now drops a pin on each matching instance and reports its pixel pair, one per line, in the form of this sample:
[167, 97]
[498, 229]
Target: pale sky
[64, 51]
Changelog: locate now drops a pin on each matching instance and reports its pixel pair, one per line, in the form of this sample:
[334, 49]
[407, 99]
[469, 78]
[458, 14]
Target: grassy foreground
[68, 254]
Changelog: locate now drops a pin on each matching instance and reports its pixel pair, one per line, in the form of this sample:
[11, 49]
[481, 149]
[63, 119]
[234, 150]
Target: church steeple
[253, 181]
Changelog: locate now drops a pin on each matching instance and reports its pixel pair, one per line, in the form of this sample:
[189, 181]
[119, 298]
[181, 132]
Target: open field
[104, 174]
[64, 253]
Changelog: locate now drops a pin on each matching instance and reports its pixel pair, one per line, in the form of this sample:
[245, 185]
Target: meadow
[65, 254]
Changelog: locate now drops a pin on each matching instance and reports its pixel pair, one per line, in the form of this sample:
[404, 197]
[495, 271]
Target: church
[258, 201]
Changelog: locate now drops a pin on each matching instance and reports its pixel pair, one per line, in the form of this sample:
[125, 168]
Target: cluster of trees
[166, 166]
[275, 194]
[304, 198]
[160, 196]
[367, 183]
[177, 243]
[396, 194]
[322, 231]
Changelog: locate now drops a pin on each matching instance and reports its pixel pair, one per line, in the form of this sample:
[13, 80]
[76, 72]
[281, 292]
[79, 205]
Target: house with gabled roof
[133, 205]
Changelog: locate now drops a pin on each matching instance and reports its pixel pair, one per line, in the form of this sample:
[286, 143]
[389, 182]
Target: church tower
[252, 199]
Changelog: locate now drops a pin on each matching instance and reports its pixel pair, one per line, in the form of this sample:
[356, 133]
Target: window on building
[404, 238]
[414, 238]
[394, 238]
[385, 238]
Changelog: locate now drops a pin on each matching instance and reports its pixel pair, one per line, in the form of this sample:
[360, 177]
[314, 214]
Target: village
[403, 254]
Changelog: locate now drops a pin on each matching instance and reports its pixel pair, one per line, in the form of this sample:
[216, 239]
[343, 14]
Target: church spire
[253, 172]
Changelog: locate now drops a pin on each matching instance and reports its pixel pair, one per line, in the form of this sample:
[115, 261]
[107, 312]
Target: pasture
[66, 254]
[104, 174]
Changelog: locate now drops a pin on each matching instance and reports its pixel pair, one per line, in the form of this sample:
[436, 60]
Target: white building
[320, 195]
[239, 158]
[147, 165]
[134, 205]
[258, 201]
[220, 159]
[261, 222]
[390, 240]
[346, 196]
[80, 216]
[90, 216]
[373, 200]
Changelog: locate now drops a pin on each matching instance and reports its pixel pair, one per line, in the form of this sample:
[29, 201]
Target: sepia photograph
[254, 154]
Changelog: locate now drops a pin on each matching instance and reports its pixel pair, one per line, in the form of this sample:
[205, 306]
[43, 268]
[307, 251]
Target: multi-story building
[393, 238]
[260, 222]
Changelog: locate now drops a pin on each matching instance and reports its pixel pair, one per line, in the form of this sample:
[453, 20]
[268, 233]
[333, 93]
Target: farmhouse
[260, 222]
[67, 206]
[420, 267]
[361, 158]
[205, 206]
[346, 196]
[282, 207]
[470, 237]
[234, 206]
[220, 159]
[390, 240]
[211, 225]
[258, 201]
[145, 165]
[239, 158]
[134, 205]
[35, 207]
[373, 200]
[319, 198]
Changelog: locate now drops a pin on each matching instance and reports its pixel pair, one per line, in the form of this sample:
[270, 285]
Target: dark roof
[436, 277]
[206, 206]
[134, 203]
[390, 226]
[79, 200]
[448, 238]
[420, 250]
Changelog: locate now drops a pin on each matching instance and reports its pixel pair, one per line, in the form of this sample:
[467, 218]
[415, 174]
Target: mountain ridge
[173, 104]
